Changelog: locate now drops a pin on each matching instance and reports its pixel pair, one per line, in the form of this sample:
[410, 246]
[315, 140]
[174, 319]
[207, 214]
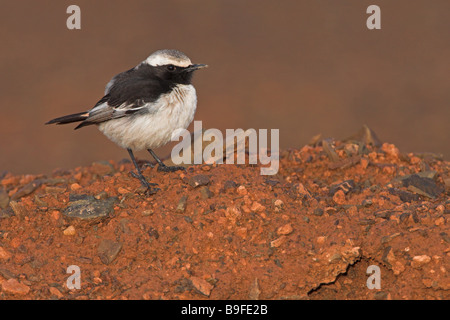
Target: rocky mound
[226, 232]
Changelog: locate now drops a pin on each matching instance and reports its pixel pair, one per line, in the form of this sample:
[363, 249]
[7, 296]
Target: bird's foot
[165, 168]
[148, 185]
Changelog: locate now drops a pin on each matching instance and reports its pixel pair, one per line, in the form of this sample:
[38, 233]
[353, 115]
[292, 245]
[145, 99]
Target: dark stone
[181, 207]
[424, 186]
[88, 208]
[188, 219]
[404, 216]
[366, 136]
[206, 193]
[271, 182]
[198, 180]
[108, 250]
[405, 196]
[27, 189]
[318, 212]
[229, 185]
[345, 186]
[383, 214]
[328, 147]
[278, 263]
[4, 199]
[385, 254]
[297, 191]
[152, 232]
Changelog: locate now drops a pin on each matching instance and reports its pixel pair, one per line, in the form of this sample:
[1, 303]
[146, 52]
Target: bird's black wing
[130, 92]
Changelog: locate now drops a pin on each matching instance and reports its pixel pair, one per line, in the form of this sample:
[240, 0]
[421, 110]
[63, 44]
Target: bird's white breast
[174, 110]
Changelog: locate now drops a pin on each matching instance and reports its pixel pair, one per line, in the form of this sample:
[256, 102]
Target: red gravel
[310, 232]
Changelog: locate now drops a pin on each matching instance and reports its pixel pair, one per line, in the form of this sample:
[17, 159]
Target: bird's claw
[147, 185]
[144, 182]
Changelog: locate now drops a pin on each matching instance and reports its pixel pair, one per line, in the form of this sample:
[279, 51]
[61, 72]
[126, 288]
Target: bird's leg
[139, 175]
[162, 166]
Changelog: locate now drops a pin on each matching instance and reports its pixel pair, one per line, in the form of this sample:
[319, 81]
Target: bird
[143, 106]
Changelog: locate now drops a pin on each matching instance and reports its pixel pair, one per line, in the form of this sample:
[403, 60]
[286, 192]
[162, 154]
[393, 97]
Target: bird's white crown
[165, 57]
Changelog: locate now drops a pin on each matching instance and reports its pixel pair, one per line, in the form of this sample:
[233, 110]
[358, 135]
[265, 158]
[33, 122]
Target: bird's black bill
[194, 67]
[76, 117]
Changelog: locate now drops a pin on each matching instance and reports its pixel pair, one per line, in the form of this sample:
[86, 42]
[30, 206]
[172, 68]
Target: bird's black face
[176, 74]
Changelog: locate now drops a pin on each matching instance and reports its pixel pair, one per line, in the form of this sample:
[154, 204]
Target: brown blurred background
[304, 66]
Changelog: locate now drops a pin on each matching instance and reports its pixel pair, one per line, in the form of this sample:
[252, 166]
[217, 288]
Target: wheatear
[143, 106]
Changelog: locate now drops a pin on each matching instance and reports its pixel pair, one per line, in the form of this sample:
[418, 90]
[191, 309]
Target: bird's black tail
[76, 117]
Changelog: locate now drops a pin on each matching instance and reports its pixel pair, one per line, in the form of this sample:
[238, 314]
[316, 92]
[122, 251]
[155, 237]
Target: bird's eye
[171, 67]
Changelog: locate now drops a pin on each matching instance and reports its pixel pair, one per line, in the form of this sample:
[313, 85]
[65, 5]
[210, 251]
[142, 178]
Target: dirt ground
[227, 232]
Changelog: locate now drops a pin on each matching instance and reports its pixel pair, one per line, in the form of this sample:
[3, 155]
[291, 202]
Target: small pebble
[56, 215]
[198, 180]
[419, 261]
[257, 207]
[439, 221]
[321, 240]
[242, 190]
[123, 190]
[364, 163]
[279, 204]
[339, 197]
[15, 287]
[70, 231]
[56, 292]
[390, 150]
[181, 206]
[4, 255]
[108, 250]
[202, 286]
[146, 213]
[75, 186]
[278, 242]
[206, 193]
[285, 230]
[254, 290]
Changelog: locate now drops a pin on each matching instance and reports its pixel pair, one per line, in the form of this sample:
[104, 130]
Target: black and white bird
[143, 106]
